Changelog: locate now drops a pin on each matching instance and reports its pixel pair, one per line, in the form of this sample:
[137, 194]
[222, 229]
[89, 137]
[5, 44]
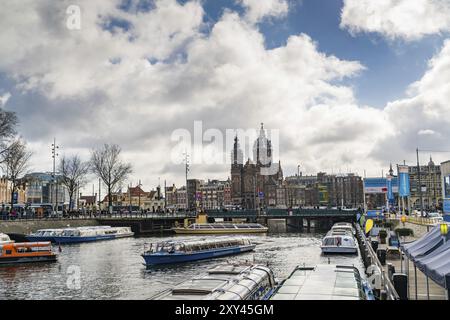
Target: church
[255, 184]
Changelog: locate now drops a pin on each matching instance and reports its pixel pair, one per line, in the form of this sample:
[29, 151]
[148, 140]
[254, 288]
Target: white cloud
[422, 119]
[257, 10]
[135, 86]
[406, 19]
[4, 99]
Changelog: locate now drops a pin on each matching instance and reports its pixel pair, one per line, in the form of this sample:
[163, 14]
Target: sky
[347, 85]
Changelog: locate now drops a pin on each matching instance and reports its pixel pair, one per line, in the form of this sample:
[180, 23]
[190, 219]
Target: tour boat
[90, 234]
[324, 282]
[80, 234]
[225, 282]
[221, 228]
[45, 235]
[177, 251]
[339, 242]
[4, 239]
[343, 226]
[25, 252]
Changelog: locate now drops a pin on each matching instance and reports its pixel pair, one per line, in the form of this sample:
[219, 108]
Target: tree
[106, 164]
[8, 123]
[15, 159]
[73, 174]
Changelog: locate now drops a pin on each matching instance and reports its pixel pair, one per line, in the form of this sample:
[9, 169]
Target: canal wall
[28, 226]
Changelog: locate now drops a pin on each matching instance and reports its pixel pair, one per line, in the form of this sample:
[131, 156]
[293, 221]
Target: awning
[423, 246]
[431, 254]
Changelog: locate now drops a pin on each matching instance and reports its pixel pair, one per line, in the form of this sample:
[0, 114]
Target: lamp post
[54, 155]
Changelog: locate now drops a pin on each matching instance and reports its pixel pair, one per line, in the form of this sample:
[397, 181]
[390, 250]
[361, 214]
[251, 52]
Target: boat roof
[204, 240]
[215, 283]
[323, 282]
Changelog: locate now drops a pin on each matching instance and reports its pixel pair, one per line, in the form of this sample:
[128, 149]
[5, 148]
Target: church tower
[262, 149]
[237, 160]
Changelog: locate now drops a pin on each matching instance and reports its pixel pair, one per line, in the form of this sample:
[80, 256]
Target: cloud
[134, 83]
[426, 107]
[397, 19]
[4, 99]
[257, 10]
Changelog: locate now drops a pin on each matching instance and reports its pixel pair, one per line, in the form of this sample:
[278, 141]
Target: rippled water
[114, 269]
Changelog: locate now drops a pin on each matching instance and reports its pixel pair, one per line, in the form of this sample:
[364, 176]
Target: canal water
[114, 269]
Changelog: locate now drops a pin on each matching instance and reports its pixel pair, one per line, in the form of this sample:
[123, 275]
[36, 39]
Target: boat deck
[324, 282]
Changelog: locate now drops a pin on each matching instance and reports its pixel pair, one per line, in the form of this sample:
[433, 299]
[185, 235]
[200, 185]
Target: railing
[385, 281]
[422, 221]
[96, 215]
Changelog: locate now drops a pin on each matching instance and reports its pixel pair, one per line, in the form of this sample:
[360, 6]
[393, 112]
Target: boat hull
[30, 259]
[158, 259]
[341, 249]
[40, 239]
[218, 231]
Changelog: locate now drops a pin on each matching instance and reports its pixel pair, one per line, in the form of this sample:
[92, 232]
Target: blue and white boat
[43, 235]
[178, 251]
[80, 234]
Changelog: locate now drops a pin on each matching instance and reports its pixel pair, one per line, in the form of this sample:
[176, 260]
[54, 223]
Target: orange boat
[12, 253]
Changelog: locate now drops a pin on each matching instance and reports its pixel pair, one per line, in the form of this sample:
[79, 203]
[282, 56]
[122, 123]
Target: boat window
[329, 242]
[8, 252]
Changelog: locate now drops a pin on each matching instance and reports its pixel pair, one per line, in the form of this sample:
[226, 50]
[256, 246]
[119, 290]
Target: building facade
[431, 185]
[254, 184]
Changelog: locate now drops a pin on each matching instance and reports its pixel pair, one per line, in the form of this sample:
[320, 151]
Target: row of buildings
[255, 183]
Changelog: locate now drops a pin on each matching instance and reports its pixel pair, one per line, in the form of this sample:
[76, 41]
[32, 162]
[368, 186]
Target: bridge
[151, 223]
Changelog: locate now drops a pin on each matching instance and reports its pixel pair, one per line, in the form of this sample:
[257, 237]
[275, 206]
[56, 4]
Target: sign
[390, 191]
[403, 174]
[447, 206]
[379, 185]
[447, 187]
[261, 194]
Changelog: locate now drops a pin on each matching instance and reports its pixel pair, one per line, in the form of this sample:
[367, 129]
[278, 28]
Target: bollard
[381, 255]
[383, 295]
[400, 281]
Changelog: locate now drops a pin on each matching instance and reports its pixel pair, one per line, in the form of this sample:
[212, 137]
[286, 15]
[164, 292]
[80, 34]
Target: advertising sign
[390, 192]
[380, 185]
[403, 174]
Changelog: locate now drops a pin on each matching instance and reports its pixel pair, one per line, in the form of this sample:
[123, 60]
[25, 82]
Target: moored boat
[80, 234]
[324, 282]
[89, 234]
[178, 251]
[5, 239]
[221, 228]
[339, 242]
[26, 252]
[225, 282]
[45, 235]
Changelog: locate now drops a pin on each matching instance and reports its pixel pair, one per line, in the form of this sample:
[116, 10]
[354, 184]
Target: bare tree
[73, 174]
[106, 164]
[8, 123]
[15, 162]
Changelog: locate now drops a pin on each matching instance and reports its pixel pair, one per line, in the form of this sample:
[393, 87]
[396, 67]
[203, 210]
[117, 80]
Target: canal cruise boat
[178, 251]
[81, 234]
[324, 282]
[342, 242]
[225, 282]
[221, 228]
[26, 252]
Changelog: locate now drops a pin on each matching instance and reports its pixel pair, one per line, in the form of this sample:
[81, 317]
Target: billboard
[403, 174]
[379, 185]
[390, 192]
[447, 187]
